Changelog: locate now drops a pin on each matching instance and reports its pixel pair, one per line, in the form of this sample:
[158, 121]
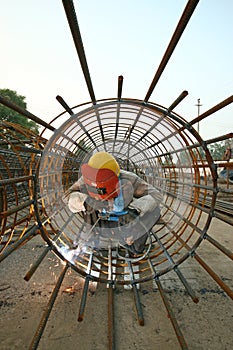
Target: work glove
[76, 202]
[143, 204]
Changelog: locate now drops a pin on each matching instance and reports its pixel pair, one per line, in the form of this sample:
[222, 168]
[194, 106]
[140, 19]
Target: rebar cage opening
[157, 145]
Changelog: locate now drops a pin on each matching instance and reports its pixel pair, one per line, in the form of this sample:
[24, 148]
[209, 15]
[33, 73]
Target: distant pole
[198, 112]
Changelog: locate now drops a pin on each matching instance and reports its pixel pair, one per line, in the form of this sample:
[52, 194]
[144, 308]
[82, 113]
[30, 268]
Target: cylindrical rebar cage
[20, 151]
[160, 147]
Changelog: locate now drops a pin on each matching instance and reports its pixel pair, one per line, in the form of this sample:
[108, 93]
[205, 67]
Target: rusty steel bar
[212, 110]
[64, 105]
[69, 110]
[28, 235]
[178, 100]
[101, 127]
[226, 163]
[28, 150]
[208, 269]
[74, 27]
[15, 180]
[120, 84]
[172, 317]
[85, 290]
[177, 271]
[84, 299]
[187, 13]
[171, 314]
[36, 264]
[116, 127]
[12, 226]
[198, 119]
[138, 305]
[130, 130]
[111, 335]
[220, 138]
[24, 112]
[136, 295]
[15, 209]
[225, 218]
[39, 332]
[213, 274]
[219, 246]
[6, 142]
[172, 106]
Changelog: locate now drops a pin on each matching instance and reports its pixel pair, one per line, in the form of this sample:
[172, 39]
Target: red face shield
[101, 183]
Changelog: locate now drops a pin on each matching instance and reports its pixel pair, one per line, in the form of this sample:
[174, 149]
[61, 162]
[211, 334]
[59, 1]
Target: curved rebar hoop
[152, 142]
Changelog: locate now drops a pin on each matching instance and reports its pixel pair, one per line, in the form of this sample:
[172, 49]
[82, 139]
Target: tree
[9, 115]
[217, 149]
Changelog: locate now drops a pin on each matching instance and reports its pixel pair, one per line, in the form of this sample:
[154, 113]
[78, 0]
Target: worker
[227, 173]
[117, 204]
[227, 154]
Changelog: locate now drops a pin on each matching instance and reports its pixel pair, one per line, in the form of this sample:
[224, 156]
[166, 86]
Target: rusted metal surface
[188, 11]
[74, 27]
[40, 329]
[18, 166]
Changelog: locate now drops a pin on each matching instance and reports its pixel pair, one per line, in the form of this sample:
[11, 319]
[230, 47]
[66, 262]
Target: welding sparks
[68, 290]
[71, 254]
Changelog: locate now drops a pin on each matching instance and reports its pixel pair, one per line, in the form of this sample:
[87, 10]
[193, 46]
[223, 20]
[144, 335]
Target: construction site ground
[207, 325]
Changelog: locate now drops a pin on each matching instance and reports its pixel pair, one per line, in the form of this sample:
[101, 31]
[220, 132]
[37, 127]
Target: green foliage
[217, 150]
[9, 115]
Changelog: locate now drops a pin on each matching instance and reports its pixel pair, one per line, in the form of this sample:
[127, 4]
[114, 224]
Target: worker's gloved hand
[143, 204]
[96, 204]
[76, 202]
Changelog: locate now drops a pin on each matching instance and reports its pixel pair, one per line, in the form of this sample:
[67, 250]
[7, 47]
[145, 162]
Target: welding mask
[100, 176]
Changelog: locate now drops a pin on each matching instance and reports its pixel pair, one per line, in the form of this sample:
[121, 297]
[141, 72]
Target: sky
[121, 37]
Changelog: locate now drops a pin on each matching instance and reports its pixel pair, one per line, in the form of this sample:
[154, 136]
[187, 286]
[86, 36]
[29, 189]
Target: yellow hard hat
[104, 160]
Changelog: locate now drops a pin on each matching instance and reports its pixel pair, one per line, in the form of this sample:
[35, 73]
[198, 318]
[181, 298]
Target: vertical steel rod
[171, 314]
[111, 339]
[136, 296]
[64, 104]
[117, 126]
[85, 290]
[74, 27]
[30, 273]
[120, 84]
[176, 327]
[69, 110]
[178, 100]
[219, 246]
[177, 271]
[217, 279]
[138, 305]
[172, 106]
[84, 299]
[208, 269]
[46, 314]
[187, 13]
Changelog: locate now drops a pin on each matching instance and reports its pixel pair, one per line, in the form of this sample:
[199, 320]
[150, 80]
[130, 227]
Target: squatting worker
[120, 203]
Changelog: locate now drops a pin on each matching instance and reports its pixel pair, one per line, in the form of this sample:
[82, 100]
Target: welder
[115, 202]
